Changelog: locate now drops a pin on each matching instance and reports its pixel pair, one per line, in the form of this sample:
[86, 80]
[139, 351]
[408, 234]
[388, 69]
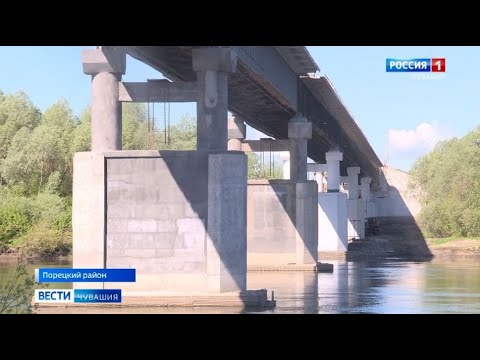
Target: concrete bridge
[270, 85]
[189, 221]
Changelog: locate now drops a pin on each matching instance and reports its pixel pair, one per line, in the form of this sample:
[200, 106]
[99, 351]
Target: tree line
[36, 166]
[447, 183]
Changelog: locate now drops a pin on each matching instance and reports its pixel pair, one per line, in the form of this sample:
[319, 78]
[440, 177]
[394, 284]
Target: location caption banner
[57, 275]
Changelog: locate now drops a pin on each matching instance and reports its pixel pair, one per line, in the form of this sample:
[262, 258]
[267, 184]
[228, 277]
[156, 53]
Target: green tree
[447, 182]
[134, 126]
[16, 112]
[183, 135]
[257, 170]
[35, 156]
[82, 134]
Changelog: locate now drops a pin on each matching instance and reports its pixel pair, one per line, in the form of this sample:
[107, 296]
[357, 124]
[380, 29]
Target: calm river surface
[439, 287]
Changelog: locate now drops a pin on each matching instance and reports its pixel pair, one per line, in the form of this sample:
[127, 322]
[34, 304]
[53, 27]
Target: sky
[413, 113]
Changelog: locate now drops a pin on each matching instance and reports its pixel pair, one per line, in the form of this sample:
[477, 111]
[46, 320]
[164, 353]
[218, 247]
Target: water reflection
[377, 287]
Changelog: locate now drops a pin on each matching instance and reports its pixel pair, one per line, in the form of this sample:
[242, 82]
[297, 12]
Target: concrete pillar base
[88, 212]
[227, 222]
[354, 219]
[332, 222]
[318, 267]
[306, 214]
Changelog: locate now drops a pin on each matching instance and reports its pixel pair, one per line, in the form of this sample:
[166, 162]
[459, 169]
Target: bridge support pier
[237, 132]
[355, 217]
[365, 204]
[177, 217]
[299, 132]
[106, 66]
[285, 157]
[282, 214]
[332, 209]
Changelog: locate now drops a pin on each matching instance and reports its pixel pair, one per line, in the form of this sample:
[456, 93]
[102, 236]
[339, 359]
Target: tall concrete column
[365, 187]
[299, 130]
[213, 66]
[285, 157]
[355, 216]
[226, 243]
[353, 173]
[319, 179]
[236, 133]
[333, 158]
[106, 66]
[363, 203]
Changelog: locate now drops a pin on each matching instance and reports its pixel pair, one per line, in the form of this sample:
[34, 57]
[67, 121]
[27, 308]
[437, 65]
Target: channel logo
[416, 65]
[64, 296]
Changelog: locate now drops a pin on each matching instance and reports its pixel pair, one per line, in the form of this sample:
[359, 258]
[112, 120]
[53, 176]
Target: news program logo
[67, 296]
[437, 65]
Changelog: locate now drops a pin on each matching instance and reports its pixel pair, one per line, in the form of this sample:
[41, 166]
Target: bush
[16, 292]
[15, 220]
[46, 243]
[19, 213]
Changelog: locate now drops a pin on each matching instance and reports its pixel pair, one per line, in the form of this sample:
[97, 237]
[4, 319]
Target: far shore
[14, 256]
[440, 248]
[454, 247]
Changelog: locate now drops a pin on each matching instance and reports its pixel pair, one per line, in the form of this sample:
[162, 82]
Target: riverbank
[416, 249]
[454, 247]
[12, 257]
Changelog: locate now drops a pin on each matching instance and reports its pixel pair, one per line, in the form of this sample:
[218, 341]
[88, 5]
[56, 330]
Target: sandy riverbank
[454, 248]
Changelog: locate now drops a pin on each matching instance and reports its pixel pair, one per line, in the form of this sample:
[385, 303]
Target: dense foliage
[447, 181]
[36, 165]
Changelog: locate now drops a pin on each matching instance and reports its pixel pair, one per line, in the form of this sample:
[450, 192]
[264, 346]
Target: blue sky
[415, 112]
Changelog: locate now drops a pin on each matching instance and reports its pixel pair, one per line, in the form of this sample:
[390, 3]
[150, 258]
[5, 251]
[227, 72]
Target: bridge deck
[271, 84]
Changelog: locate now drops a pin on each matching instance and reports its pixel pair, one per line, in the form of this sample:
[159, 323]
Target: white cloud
[421, 139]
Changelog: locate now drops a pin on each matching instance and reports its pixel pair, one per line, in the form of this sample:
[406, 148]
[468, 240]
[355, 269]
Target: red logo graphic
[439, 65]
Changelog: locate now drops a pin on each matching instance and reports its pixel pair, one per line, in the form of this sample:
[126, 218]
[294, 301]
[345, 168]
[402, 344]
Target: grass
[442, 241]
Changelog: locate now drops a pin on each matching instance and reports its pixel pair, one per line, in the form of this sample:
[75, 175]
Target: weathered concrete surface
[306, 222]
[281, 222]
[333, 158]
[236, 128]
[395, 198]
[110, 59]
[352, 181]
[237, 131]
[271, 211]
[332, 222]
[106, 113]
[319, 267]
[88, 212]
[299, 131]
[160, 90]
[156, 206]
[227, 222]
[156, 218]
[213, 66]
[106, 65]
[354, 211]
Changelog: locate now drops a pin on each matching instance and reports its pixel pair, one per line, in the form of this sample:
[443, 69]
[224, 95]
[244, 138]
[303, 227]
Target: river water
[438, 287]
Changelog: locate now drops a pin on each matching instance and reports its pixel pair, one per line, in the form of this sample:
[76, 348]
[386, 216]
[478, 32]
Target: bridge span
[271, 84]
[190, 222]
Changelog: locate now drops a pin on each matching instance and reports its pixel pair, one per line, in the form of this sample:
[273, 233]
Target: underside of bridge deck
[257, 98]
